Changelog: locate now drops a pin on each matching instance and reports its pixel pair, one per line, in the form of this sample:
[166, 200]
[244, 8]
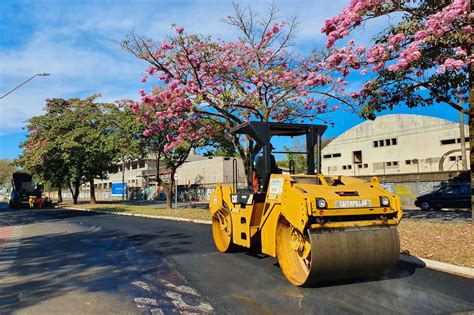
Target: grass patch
[447, 241]
[188, 213]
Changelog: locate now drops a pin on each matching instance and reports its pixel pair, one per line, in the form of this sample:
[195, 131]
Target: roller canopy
[262, 132]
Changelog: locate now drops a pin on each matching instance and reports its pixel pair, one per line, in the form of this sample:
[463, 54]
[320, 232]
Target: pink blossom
[275, 28]
[396, 39]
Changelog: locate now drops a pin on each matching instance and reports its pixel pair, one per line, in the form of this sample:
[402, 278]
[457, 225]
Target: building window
[141, 164]
[336, 155]
[395, 163]
[344, 167]
[389, 163]
[394, 141]
[381, 143]
[387, 142]
[357, 157]
[366, 165]
[452, 158]
[448, 141]
[349, 167]
[360, 165]
[415, 161]
[459, 140]
[376, 144]
[407, 162]
[327, 156]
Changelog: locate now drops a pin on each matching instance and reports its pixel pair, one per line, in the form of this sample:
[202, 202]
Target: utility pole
[123, 178]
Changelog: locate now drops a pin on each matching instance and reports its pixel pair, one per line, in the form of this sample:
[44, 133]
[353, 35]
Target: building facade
[199, 174]
[396, 144]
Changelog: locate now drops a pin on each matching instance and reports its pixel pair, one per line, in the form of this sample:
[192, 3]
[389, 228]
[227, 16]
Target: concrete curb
[438, 265]
[142, 215]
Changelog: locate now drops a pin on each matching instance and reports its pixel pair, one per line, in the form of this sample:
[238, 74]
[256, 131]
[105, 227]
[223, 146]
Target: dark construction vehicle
[22, 188]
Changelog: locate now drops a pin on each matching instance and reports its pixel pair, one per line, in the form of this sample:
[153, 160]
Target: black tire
[425, 205]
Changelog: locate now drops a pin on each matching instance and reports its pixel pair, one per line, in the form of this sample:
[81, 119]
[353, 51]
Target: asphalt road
[73, 262]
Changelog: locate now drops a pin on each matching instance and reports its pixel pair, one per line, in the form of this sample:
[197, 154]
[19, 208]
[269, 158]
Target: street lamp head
[36, 75]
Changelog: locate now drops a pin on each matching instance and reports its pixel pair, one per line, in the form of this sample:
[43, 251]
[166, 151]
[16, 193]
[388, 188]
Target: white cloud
[72, 41]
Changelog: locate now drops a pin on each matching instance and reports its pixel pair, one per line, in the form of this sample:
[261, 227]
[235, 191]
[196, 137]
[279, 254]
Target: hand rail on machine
[234, 175]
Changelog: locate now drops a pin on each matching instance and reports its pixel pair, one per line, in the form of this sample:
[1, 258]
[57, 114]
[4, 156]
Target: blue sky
[74, 41]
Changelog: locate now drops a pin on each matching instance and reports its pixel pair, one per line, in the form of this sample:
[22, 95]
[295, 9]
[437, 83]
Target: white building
[198, 172]
[209, 172]
[396, 143]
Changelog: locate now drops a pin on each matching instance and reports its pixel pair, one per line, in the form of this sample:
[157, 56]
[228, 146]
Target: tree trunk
[471, 135]
[169, 196]
[471, 116]
[471, 142]
[60, 194]
[92, 191]
[75, 193]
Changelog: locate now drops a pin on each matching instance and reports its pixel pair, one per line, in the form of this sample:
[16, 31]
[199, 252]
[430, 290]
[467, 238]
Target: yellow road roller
[321, 228]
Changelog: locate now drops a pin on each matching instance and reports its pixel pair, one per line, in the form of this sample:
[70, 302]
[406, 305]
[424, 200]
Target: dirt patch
[446, 241]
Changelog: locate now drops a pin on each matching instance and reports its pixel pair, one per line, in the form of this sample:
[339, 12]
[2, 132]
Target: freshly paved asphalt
[76, 262]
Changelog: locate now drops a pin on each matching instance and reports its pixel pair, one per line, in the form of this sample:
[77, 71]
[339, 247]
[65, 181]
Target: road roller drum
[339, 254]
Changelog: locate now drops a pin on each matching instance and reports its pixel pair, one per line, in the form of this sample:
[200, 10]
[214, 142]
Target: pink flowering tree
[420, 60]
[424, 58]
[225, 83]
[170, 134]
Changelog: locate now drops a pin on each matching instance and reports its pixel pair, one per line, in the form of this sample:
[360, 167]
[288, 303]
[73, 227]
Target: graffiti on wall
[408, 192]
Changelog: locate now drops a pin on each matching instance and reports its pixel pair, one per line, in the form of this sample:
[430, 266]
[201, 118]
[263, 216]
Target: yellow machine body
[320, 227]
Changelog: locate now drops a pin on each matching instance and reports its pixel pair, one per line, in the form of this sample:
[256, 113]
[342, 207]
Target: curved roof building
[396, 143]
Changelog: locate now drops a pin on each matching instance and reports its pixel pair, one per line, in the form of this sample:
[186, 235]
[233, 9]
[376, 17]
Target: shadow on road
[87, 259]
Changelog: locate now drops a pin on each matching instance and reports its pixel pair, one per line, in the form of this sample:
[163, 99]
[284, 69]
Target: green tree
[70, 144]
[127, 135]
[42, 156]
[6, 170]
[294, 160]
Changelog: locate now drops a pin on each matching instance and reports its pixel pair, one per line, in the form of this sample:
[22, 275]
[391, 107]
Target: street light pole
[36, 75]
